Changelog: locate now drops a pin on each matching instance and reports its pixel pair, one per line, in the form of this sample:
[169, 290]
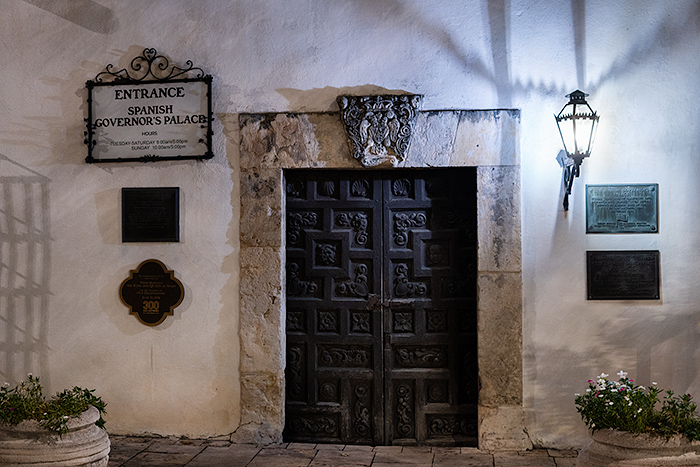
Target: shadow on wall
[25, 265]
[657, 338]
[665, 350]
[652, 46]
[325, 98]
[85, 13]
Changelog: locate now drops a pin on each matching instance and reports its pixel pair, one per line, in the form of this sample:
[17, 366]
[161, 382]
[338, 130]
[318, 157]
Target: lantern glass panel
[577, 124]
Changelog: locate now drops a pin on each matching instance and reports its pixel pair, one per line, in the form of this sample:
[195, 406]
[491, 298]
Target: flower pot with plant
[630, 422]
[66, 430]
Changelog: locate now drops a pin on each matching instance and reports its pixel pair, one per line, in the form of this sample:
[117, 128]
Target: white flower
[577, 394]
[622, 374]
[654, 383]
[29, 375]
[588, 390]
[610, 403]
[603, 376]
[639, 411]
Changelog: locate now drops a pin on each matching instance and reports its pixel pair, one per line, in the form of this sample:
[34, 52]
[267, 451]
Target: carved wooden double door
[381, 307]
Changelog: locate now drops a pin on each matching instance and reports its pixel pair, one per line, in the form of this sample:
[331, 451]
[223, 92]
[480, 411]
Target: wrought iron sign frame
[150, 68]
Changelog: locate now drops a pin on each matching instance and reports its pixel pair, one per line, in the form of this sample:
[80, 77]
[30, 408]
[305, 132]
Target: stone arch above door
[486, 139]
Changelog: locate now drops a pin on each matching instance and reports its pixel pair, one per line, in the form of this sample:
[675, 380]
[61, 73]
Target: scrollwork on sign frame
[379, 127]
[149, 64]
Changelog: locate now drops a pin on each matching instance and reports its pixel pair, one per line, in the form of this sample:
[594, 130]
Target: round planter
[29, 444]
[610, 446]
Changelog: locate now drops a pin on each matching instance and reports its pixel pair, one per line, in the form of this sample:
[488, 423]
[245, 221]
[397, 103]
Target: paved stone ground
[129, 451]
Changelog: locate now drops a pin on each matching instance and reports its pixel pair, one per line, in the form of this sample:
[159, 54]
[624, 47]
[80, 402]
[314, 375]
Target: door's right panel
[430, 349]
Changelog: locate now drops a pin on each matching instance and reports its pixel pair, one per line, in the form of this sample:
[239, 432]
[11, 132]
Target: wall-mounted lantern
[577, 123]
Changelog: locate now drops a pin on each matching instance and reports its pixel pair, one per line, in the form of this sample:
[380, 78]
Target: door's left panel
[334, 325]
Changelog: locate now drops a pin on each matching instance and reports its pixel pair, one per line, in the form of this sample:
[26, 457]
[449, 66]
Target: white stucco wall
[637, 59]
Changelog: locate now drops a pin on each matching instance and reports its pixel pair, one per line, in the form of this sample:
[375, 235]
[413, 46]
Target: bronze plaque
[622, 208]
[151, 292]
[623, 275]
[151, 214]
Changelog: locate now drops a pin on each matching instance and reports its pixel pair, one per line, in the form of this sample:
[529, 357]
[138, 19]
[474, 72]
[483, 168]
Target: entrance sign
[149, 113]
[151, 292]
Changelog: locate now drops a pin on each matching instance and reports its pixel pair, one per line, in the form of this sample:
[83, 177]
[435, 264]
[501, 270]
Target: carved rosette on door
[381, 307]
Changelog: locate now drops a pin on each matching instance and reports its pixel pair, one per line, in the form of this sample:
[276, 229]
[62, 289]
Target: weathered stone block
[262, 401]
[487, 137]
[289, 141]
[499, 316]
[262, 305]
[332, 142]
[277, 140]
[498, 198]
[261, 207]
[503, 429]
[432, 139]
[262, 408]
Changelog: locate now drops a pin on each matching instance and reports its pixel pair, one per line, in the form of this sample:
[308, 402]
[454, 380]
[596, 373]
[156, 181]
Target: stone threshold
[133, 451]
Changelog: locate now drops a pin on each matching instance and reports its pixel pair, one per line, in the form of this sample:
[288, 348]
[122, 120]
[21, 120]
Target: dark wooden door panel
[381, 307]
[430, 321]
[334, 360]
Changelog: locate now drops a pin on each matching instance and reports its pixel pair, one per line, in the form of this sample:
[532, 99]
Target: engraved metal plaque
[622, 208]
[623, 275]
[151, 292]
[150, 214]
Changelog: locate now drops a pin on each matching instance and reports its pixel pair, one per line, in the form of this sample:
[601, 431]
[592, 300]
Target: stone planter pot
[29, 444]
[612, 447]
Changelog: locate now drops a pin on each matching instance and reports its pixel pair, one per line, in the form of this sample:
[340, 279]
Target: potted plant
[630, 422]
[66, 430]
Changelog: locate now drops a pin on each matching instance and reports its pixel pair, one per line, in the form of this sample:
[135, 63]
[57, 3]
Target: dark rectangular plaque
[623, 275]
[150, 214]
[622, 208]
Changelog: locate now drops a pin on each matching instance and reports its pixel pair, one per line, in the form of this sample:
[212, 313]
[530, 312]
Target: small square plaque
[623, 275]
[622, 208]
[150, 214]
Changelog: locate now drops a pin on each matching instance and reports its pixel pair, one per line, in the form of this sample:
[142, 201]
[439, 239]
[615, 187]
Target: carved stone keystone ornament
[379, 127]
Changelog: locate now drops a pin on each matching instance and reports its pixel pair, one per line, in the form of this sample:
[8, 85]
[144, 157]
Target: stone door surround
[486, 139]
